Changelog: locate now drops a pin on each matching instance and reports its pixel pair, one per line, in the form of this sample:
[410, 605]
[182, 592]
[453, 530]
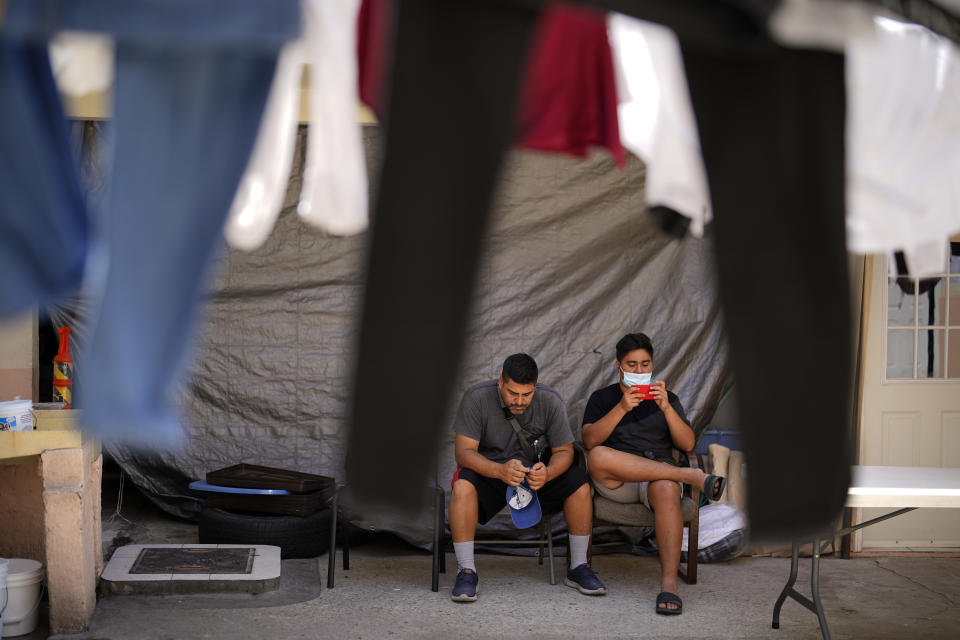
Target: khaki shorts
[629, 493]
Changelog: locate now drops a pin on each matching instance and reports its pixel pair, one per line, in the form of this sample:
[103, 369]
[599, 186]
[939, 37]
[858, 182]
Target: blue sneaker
[584, 580]
[465, 590]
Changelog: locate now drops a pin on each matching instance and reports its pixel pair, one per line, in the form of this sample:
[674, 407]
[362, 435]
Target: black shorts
[492, 492]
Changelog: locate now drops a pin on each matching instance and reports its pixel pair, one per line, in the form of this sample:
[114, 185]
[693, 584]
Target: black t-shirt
[644, 428]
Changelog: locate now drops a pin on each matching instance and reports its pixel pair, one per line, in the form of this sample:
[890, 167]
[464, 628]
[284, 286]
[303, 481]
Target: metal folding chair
[544, 541]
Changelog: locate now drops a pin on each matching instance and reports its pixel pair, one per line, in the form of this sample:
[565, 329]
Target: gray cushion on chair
[632, 515]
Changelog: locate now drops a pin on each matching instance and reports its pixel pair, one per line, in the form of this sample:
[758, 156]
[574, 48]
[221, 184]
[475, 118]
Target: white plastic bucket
[24, 580]
[16, 415]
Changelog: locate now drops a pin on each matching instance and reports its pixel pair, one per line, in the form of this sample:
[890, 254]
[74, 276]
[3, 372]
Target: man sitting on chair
[491, 458]
[630, 429]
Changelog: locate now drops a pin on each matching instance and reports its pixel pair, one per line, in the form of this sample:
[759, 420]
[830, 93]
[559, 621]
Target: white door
[910, 413]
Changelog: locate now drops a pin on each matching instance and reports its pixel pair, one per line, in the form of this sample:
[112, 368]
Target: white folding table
[900, 488]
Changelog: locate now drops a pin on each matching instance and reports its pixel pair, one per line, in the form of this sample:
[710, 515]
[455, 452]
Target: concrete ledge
[181, 585]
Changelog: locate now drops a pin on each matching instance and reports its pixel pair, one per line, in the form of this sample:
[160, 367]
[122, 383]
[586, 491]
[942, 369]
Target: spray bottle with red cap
[63, 370]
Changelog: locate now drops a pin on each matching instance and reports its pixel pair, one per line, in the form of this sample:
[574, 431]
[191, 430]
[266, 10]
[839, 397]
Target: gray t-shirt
[481, 417]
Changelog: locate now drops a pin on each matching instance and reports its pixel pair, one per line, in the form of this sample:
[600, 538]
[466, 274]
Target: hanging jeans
[191, 83]
[43, 218]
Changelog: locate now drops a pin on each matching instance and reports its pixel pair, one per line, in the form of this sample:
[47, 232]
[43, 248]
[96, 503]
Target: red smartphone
[643, 391]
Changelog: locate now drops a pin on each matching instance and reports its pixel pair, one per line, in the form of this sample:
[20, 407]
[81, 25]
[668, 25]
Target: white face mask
[633, 379]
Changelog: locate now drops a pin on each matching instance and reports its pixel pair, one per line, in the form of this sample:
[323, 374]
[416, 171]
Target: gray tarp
[572, 263]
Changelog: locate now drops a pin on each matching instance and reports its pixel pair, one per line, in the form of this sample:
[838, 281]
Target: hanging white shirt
[656, 117]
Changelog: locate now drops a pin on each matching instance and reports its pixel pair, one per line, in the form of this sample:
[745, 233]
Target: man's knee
[463, 491]
[580, 499]
[598, 459]
[581, 495]
[664, 494]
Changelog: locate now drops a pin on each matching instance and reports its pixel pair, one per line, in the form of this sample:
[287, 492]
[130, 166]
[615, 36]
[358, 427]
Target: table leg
[794, 561]
[789, 592]
[815, 604]
[815, 589]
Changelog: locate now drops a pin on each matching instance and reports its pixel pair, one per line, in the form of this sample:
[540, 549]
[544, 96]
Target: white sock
[578, 550]
[464, 551]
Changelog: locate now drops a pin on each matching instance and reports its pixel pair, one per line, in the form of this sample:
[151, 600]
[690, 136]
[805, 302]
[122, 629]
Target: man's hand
[630, 398]
[659, 393]
[537, 477]
[513, 472]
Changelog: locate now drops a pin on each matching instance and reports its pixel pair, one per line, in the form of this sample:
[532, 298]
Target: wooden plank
[98, 106]
[56, 419]
[19, 444]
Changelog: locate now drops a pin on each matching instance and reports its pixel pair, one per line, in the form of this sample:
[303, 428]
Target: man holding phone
[491, 420]
[630, 429]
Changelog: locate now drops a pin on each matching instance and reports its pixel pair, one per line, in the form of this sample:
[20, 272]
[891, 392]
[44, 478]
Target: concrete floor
[386, 593]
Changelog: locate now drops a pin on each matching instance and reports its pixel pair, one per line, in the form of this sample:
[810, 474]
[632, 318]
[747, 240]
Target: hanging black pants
[451, 104]
[771, 124]
[771, 127]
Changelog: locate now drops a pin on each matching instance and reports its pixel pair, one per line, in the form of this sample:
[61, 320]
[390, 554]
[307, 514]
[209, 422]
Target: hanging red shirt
[568, 101]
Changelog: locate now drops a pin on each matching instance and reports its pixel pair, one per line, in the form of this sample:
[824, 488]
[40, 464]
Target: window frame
[950, 324]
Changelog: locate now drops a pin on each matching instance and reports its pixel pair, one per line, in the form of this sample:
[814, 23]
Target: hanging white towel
[903, 144]
[333, 192]
[264, 184]
[656, 117]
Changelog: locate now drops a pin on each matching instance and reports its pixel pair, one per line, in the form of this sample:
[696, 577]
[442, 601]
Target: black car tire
[297, 537]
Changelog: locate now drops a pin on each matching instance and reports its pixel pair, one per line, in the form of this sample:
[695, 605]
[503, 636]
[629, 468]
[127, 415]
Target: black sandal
[717, 484]
[666, 598]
